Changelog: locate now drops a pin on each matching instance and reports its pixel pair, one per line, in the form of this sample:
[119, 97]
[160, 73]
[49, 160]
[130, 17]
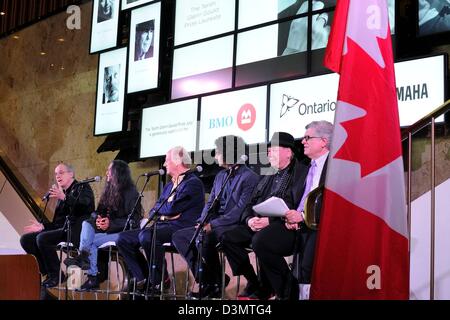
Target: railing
[427, 128]
[27, 199]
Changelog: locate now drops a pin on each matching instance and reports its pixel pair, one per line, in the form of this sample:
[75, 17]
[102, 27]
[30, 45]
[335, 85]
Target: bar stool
[169, 248]
[222, 258]
[112, 251]
[69, 249]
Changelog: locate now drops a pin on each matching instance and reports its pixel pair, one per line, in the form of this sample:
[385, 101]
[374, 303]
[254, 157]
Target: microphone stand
[155, 217]
[199, 233]
[41, 218]
[68, 228]
[138, 199]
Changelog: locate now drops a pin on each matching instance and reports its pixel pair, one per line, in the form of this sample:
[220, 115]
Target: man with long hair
[116, 203]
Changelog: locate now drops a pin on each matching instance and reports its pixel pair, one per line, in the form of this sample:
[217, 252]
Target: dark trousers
[235, 243]
[271, 245]
[211, 267]
[43, 246]
[129, 243]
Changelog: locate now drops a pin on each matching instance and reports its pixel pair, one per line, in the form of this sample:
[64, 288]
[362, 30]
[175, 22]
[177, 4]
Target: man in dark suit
[283, 181]
[271, 253]
[238, 182]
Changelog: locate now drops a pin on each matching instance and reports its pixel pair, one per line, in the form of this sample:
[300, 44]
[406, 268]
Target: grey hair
[69, 168]
[179, 155]
[323, 129]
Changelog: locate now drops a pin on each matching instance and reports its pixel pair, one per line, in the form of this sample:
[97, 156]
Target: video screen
[143, 61]
[105, 20]
[200, 19]
[271, 10]
[241, 113]
[167, 126]
[110, 92]
[127, 4]
[434, 16]
[203, 67]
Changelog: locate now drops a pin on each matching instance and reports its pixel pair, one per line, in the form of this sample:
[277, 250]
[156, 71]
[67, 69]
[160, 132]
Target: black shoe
[260, 294]
[249, 290]
[82, 261]
[53, 280]
[140, 285]
[90, 284]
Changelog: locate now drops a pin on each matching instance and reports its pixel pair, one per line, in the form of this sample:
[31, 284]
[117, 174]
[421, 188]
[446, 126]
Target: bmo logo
[246, 117]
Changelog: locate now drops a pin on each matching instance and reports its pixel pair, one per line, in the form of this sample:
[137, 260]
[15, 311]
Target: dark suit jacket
[241, 189]
[305, 251]
[79, 204]
[188, 201]
[262, 192]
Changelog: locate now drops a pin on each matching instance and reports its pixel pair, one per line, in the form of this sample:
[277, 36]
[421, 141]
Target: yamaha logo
[246, 117]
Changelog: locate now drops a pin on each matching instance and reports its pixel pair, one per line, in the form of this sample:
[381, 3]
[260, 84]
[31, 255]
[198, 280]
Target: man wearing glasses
[40, 239]
[289, 241]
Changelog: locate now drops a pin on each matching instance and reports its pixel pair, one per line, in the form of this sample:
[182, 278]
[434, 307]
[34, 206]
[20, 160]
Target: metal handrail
[27, 199]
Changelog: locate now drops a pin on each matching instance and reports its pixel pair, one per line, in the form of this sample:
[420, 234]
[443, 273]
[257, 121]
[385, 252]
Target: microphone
[241, 160]
[196, 169]
[153, 173]
[89, 180]
[46, 196]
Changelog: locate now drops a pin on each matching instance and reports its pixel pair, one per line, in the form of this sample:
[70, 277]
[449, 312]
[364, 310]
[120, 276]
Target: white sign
[295, 103]
[167, 126]
[241, 113]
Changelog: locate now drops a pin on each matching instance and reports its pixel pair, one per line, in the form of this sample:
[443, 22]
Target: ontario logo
[246, 117]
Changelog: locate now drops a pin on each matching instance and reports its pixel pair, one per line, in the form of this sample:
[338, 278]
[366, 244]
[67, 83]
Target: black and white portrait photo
[144, 40]
[111, 84]
[105, 10]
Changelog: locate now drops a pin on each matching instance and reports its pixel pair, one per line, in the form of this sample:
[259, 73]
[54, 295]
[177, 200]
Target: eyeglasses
[307, 138]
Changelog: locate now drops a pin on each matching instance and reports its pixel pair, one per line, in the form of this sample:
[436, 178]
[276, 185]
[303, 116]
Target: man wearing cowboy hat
[286, 181]
[288, 241]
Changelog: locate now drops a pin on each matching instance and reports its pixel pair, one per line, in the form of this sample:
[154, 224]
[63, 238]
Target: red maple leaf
[374, 139]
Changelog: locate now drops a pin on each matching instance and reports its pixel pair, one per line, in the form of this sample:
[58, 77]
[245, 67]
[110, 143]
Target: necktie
[309, 182]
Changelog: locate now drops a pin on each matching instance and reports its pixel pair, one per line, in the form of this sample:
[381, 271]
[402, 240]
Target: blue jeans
[90, 241]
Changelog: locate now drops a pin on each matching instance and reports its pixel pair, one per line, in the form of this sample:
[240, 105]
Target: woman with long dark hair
[116, 203]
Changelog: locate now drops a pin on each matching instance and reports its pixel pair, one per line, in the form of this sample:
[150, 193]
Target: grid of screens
[269, 41]
[295, 103]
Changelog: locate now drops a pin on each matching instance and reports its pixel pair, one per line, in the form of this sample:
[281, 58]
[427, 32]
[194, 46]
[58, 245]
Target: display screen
[434, 16]
[110, 91]
[167, 126]
[203, 67]
[241, 113]
[105, 20]
[143, 60]
[200, 19]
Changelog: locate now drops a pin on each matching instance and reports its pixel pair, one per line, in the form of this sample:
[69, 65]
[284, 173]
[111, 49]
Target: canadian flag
[362, 246]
